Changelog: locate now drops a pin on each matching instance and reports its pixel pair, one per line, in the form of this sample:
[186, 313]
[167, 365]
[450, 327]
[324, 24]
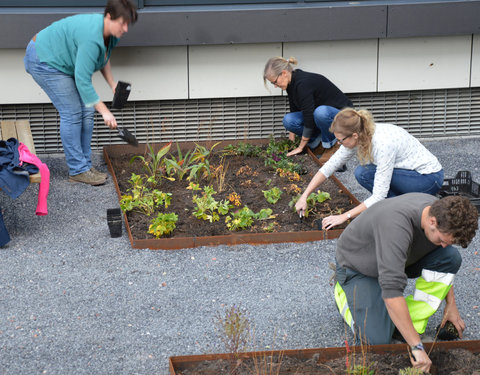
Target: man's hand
[420, 360]
[452, 314]
[291, 136]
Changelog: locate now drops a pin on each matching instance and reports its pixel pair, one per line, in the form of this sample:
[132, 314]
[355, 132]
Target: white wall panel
[476, 61]
[424, 63]
[225, 71]
[156, 73]
[351, 64]
[16, 85]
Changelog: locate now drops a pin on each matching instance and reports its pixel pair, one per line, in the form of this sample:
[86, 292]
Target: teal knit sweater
[75, 46]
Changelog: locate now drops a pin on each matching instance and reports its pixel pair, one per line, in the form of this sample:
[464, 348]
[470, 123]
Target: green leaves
[163, 224]
[273, 195]
[207, 208]
[312, 200]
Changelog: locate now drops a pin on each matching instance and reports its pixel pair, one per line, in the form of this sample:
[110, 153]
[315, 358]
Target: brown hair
[275, 66]
[121, 8]
[457, 216]
[349, 121]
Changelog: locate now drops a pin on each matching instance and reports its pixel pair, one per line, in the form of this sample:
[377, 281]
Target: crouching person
[409, 236]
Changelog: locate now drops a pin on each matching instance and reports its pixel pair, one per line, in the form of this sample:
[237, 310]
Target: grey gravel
[75, 301]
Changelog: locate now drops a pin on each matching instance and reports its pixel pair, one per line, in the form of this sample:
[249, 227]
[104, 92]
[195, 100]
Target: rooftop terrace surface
[75, 301]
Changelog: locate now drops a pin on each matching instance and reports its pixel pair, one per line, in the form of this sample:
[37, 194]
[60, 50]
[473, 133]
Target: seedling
[163, 224]
[273, 195]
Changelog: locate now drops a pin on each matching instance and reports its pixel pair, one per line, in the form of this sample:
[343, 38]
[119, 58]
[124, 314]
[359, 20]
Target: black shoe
[448, 332]
[397, 335]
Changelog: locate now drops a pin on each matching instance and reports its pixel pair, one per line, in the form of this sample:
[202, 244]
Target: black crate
[463, 185]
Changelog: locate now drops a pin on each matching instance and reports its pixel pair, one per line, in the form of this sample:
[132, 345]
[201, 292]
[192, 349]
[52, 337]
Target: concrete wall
[235, 70]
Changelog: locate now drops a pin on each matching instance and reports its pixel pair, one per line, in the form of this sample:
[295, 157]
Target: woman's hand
[109, 119]
[295, 151]
[301, 206]
[331, 221]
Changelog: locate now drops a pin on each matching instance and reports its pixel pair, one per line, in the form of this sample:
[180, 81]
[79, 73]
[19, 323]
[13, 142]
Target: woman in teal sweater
[62, 59]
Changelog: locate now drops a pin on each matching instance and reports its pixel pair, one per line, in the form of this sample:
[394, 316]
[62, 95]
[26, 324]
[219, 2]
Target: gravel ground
[75, 301]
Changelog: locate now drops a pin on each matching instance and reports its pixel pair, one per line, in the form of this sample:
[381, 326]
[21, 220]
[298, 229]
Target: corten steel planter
[180, 363]
[231, 239]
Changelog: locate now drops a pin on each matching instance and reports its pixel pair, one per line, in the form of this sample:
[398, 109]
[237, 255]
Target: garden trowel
[128, 137]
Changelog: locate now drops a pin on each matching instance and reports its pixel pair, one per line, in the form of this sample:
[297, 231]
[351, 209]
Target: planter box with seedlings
[183, 195]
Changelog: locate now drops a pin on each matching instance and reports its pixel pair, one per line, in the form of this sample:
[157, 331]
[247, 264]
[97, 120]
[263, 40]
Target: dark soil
[247, 176]
[452, 362]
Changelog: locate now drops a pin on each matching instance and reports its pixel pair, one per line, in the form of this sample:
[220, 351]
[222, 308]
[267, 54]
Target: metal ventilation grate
[425, 114]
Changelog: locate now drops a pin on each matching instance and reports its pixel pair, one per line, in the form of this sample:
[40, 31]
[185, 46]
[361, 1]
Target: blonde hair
[349, 121]
[275, 66]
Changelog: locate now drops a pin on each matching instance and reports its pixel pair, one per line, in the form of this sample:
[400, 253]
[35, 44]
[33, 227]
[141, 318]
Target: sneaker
[328, 153]
[98, 173]
[88, 177]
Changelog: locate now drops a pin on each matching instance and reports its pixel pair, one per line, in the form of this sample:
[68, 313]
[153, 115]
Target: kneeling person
[409, 236]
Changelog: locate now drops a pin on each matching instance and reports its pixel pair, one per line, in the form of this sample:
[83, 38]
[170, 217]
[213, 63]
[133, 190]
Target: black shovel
[122, 91]
[128, 137]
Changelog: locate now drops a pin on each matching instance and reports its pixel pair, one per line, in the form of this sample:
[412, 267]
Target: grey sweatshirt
[385, 239]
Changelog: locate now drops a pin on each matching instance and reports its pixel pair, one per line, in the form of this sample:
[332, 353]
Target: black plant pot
[114, 220]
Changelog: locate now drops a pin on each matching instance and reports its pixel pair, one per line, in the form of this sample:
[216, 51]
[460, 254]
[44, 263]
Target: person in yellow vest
[409, 236]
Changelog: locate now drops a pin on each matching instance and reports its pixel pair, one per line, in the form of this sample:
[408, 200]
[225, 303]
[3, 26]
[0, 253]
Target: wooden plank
[8, 129]
[24, 134]
[20, 129]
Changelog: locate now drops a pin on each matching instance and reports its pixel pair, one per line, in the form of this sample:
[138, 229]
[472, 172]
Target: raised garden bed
[457, 357]
[245, 175]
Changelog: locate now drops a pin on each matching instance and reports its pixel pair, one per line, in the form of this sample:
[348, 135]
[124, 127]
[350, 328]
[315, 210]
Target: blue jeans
[403, 180]
[76, 120]
[364, 295]
[323, 117]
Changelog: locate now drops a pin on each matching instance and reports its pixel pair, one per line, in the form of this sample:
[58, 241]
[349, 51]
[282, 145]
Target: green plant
[243, 218]
[312, 200]
[242, 148]
[410, 371]
[179, 165]
[143, 199]
[273, 195]
[207, 208]
[153, 162]
[163, 224]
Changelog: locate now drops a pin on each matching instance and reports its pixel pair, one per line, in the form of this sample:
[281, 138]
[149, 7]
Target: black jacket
[307, 91]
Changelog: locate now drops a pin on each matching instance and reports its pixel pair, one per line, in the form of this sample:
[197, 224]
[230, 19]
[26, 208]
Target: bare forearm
[316, 181]
[398, 311]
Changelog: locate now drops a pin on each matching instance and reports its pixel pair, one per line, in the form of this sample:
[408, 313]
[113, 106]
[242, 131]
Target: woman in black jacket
[314, 102]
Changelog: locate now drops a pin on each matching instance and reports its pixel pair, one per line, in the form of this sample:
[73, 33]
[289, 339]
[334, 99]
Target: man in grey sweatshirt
[409, 236]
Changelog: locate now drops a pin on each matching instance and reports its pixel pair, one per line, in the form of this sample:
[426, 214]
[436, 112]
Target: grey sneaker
[98, 173]
[88, 177]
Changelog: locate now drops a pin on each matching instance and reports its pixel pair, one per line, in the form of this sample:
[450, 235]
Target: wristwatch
[349, 215]
[417, 347]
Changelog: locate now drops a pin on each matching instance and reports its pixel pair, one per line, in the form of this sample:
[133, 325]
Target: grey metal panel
[425, 114]
[263, 25]
[446, 18]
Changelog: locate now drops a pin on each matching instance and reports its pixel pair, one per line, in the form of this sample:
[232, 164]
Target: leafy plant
[243, 148]
[312, 200]
[143, 199]
[235, 199]
[273, 195]
[163, 224]
[179, 165]
[153, 162]
[207, 208]
[243, 218]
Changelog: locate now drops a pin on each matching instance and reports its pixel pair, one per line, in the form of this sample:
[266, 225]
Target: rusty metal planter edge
[231, 239]
[179, 363]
